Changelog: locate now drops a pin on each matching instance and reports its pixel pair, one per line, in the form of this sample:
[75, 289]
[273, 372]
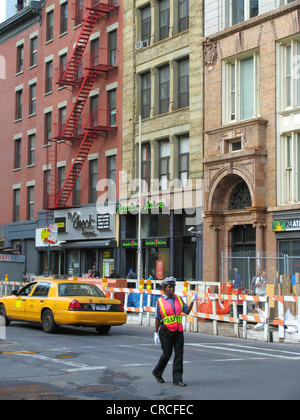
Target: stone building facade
[251, 134]
[163, 82]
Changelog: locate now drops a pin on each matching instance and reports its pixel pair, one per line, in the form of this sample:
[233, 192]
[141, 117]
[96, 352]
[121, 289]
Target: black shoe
[179, 384]
[159, 379]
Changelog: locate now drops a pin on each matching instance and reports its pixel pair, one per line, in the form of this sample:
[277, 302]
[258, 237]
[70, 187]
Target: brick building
[61, 131]
[251, 164]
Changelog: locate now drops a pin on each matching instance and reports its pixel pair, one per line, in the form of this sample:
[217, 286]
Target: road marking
[228, 349]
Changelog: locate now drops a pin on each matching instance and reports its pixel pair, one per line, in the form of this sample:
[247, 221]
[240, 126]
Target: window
[31, 149]
[146, 94]
[30, 203]
[111, 168]
[62, 65]
[19, 102]
[49, 28]
[47, 178]
[241, 96]
[184, 158]
[94, 111]
[112, 103]
[16, 209]
[42, 290]
[241, 10]
[49, 74]
[33, 51]
[62, 115]
[164, 89]
[76, 189]
[64, 18]
[164, 19]
[164, 164]
[183, 15]
[78, 11]
[95, 52]
[290, 161]
[93, 169]
[290, 83]
[20, 58]
[32, 99]
[146, 167]
[112, 42]
[17, 162]
[282, 2]
[61, 177]
[183, 83]
[48, 129]
[146, 24]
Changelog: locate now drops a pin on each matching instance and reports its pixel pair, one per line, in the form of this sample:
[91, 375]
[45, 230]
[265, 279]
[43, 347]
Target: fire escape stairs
[85, 144]
[86, 139]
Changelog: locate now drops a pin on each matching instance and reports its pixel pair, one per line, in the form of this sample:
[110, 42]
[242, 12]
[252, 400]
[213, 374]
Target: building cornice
[22, 20]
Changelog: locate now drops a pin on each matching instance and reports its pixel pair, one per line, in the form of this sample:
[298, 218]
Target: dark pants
[168, 342]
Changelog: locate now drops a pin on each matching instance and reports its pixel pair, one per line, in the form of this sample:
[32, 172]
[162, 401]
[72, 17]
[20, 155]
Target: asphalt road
[81, 364]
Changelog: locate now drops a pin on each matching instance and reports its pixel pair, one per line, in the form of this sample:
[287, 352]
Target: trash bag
[289, 322]
[260, 325]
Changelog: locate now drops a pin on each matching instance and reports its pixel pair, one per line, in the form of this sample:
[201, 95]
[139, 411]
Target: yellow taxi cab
[63, 302]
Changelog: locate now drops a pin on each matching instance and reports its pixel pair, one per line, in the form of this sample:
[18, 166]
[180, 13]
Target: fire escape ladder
[81, 144]
[68, 77]
[82, 96]
[85, 145]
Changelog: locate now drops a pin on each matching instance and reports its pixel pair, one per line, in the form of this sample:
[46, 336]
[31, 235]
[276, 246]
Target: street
[80, 364]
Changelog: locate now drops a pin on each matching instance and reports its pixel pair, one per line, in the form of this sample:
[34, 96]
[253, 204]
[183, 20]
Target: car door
[36, 302]
[16, 308]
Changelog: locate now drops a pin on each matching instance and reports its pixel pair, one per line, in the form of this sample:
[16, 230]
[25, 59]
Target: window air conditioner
[141, 44]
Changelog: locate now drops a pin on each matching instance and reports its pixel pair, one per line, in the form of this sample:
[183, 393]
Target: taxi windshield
[79, 289]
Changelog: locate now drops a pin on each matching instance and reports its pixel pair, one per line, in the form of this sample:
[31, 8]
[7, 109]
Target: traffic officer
[169, 330]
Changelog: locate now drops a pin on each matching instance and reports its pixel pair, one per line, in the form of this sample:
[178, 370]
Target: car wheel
[3, 314]
[48, 322]
[103, 329]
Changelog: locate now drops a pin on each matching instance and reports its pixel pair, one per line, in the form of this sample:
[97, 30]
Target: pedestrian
[253, 281]
[113, 274]
[95, 272]
[169, 330]
[260, 287]
[131, 274]
[237, 283]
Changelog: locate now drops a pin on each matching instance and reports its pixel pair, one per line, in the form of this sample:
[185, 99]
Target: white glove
[194, 297]
[156, 339]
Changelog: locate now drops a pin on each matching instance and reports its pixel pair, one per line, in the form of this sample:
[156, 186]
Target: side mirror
[14, 293]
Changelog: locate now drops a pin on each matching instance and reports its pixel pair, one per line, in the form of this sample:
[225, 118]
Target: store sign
[286, 225]
[103, 221]
[157, 243]
[84, 223]
[61, 224]
[147, 243]
[87, 226]
[147, 207]
[130, 244]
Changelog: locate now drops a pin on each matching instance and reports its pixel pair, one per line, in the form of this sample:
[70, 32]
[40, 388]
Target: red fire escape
[76, 130]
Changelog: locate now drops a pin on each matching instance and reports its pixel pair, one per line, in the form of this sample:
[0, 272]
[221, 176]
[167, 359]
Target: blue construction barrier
[134, 300]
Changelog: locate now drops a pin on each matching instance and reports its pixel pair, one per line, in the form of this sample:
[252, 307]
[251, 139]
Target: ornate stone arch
[222, 187]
